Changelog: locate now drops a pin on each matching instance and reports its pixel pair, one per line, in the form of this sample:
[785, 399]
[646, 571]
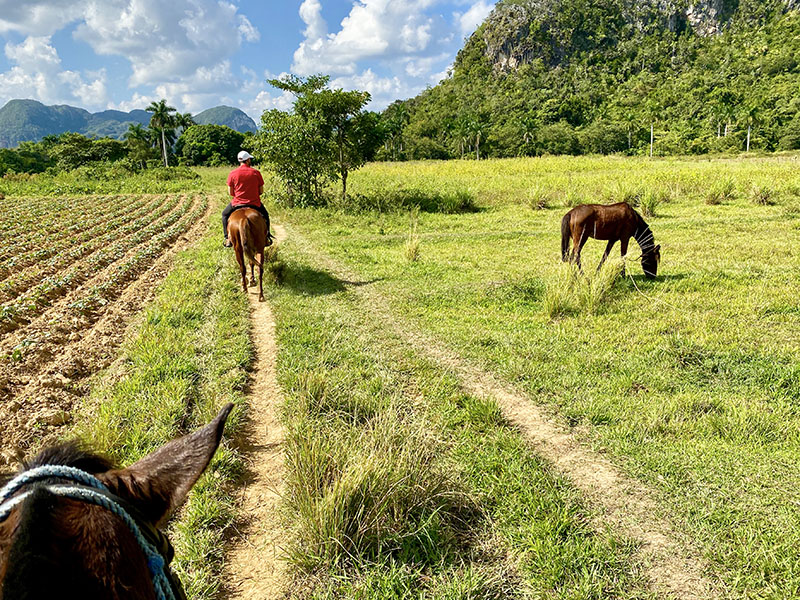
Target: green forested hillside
[30, 120]
[226, 115]
[593, 76]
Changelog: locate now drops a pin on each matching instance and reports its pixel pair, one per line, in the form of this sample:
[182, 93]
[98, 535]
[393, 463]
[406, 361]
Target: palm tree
[137, 133]
[184, 121]
[163, 123]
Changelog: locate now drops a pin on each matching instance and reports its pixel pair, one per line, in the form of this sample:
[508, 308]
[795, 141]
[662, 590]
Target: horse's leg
[578, 240]
[252, 273]
[605, 254]
[260, 258]
[623, 250]
[240, 259]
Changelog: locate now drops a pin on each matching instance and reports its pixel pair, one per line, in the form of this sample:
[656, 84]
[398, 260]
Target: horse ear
[159, 483]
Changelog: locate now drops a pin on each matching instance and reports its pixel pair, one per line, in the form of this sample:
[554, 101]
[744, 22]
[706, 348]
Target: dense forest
[597, 76]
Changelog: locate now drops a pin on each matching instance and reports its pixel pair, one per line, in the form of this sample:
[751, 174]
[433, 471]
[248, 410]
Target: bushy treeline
[198, 145]
[593, 82]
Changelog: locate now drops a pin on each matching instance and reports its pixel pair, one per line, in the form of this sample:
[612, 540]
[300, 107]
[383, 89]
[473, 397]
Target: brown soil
[674, 567]
[254, 569]
[62, 349]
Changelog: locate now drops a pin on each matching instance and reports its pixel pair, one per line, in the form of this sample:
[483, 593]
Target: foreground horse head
[612, 223]
[73, 526]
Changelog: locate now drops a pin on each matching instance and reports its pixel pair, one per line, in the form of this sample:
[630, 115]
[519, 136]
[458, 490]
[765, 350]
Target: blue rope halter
[92, 491]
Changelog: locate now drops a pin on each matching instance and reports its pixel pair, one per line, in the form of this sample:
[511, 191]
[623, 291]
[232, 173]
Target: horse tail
[566, 234]
[247, 242]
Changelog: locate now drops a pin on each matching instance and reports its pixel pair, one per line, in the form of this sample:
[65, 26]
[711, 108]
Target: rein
[87, 488]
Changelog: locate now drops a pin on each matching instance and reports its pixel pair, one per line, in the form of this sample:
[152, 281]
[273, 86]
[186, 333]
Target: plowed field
[72, 274]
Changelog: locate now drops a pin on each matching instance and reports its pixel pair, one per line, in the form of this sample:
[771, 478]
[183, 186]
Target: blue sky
[122, 54]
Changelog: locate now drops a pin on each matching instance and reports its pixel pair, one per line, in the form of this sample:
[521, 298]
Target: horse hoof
[261, 298]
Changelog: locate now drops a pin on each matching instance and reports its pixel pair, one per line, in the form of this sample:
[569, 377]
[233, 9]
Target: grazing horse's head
[650, 260]
[72, 526]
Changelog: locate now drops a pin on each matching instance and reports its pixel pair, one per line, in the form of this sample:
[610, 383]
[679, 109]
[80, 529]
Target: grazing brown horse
[249, 233]
[609, 222]
[72, 526]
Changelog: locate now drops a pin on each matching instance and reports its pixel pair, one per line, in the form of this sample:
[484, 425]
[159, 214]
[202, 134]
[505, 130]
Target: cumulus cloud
[38, 73]
[38, 17]
[372, 29]
[165, 41]
[474, 16]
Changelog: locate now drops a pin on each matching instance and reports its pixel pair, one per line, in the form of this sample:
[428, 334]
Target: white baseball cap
[244, 155]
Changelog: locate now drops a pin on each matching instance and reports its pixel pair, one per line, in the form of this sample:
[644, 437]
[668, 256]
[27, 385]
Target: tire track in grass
[254, 570]
[674, 567]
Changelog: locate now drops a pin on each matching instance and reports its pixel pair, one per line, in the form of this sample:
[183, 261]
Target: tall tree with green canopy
[327, 135]
[163, 123]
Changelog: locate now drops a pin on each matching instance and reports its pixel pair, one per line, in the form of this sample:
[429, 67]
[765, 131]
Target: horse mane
[29, 572]
[643, 235]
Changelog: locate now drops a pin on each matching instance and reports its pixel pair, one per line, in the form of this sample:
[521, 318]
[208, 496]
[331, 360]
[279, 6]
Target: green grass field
[399, 484]
[690, 382]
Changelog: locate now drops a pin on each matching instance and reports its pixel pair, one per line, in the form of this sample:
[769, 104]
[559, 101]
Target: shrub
[762, 195]
[721, 191]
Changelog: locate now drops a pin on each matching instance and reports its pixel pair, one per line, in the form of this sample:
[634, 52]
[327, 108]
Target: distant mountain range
[29, 120]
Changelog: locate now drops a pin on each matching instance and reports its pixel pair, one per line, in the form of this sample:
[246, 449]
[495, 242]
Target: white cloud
[165, 41]
[38, 17]
[384, 90]
[373, 29]
[477, 13]
[37, 73]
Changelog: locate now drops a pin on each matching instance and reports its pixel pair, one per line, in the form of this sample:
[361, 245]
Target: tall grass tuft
[570, 292]
[370, 493]
[722, 191]
[539, 198]
[762, 195]
[273, 266]
[650, 202]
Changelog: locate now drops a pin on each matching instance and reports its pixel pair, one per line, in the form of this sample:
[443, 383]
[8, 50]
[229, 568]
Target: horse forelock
[71, 454]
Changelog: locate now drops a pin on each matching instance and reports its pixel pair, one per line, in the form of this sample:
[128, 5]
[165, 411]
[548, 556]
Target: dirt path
[253, 569]
[674, 567]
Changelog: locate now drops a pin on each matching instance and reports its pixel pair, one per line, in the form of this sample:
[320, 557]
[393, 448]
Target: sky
[196, 54]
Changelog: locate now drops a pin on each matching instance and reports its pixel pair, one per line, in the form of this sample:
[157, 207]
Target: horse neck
[644, 236]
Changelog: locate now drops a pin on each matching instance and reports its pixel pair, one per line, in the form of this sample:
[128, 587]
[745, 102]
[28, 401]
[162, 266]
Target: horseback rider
[245, 185]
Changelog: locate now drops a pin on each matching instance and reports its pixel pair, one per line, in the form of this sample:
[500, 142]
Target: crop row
[55, 231]
[29, 305]
[77, 233]
[47, 229]
[14, 284]
[100, 294]
[29, 213]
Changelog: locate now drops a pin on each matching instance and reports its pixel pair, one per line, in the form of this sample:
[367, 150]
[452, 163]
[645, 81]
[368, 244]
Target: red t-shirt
[246, 181]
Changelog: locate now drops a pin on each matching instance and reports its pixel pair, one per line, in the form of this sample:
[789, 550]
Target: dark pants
[226, 214]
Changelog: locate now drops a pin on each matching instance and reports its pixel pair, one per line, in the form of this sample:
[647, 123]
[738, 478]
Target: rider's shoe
[227, 243]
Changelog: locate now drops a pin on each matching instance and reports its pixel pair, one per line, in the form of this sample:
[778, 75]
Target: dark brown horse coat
[611, 222]
[56, 547]
[247, 230]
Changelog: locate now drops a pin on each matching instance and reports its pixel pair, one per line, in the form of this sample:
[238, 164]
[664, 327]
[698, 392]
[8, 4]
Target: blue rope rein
[91, 494]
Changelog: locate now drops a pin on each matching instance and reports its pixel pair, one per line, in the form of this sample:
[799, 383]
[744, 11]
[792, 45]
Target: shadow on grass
[312, 282]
